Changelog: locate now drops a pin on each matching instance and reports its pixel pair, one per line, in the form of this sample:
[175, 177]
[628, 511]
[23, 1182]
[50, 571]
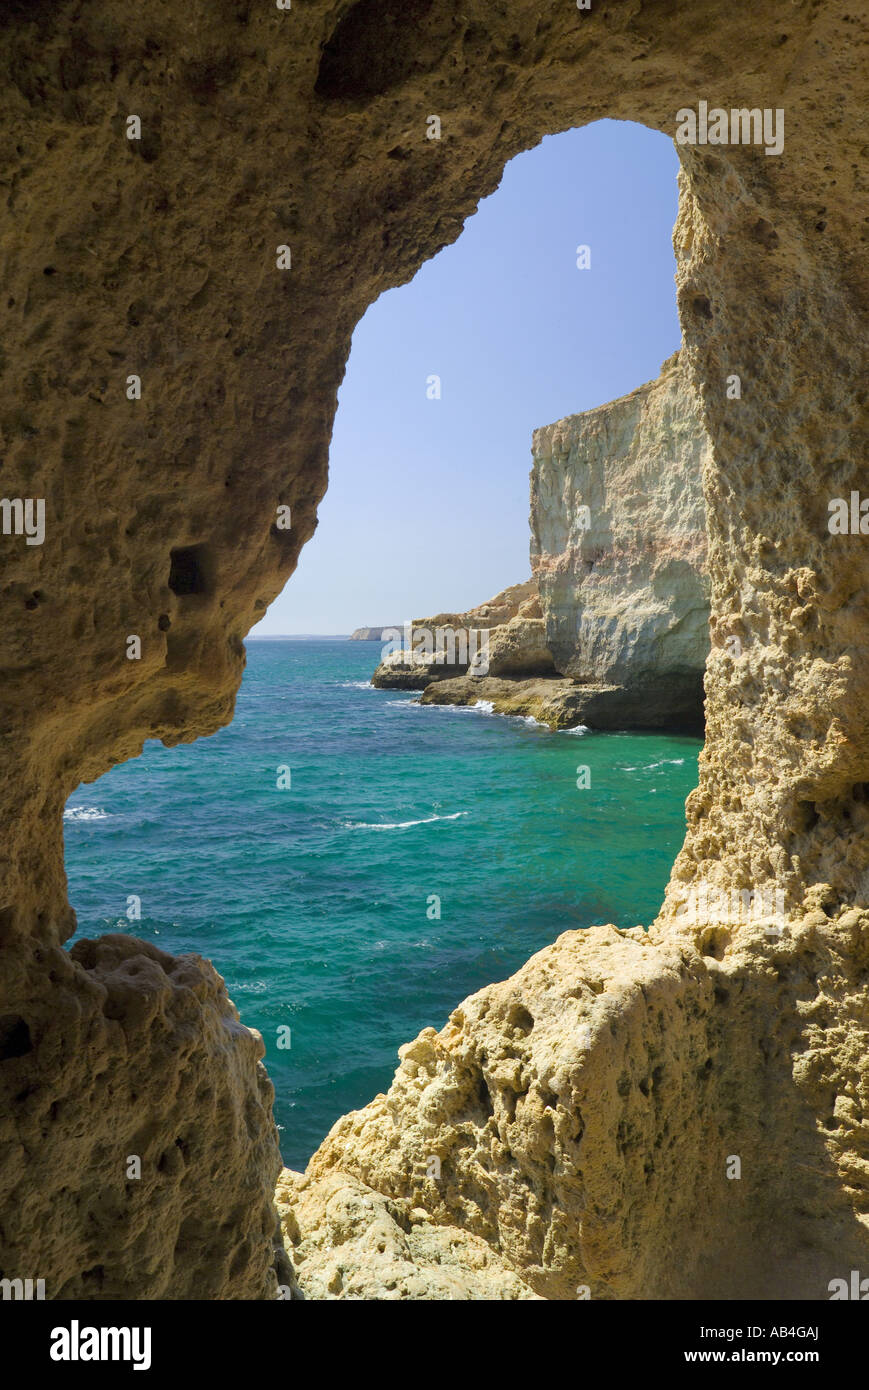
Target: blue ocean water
[316, 901]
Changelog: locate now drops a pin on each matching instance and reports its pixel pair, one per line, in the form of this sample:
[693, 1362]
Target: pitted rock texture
[619, 546]
[586, 1112]
[135, 1055]
[348, 1241]
[307, 129]
[503, 637]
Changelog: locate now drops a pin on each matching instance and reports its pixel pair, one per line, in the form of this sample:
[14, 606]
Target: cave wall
[157, 257]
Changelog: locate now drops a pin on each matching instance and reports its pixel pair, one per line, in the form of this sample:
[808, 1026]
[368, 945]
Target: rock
[519, 648]
[619, 601]
[369, 634]
[619, 549]
[505, 635]
[138, 1065]
[601, 1121]
[562, 704]
[348, 1241]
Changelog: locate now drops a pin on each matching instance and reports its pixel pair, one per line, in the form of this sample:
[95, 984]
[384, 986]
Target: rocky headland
[612, 630]
[368, 634]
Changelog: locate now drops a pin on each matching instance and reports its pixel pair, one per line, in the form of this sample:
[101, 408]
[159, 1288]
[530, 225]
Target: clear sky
[427, 508]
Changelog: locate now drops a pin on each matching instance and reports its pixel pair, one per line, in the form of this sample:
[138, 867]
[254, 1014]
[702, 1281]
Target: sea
[355, 864]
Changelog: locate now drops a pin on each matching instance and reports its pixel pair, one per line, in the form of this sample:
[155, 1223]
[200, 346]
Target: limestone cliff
[268, 133]
[617, 613]
[368, 634]
[619, 549]
[512, 643]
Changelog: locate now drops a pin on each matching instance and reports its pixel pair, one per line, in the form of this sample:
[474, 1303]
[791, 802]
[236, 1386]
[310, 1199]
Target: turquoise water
[315, 902]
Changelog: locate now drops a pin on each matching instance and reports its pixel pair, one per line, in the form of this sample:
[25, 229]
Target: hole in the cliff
[15, 1040]
[702, 306]
[764, 233]
[520, 1019]
[379, 44]
[808, 814]
[484, 1097]
[386, 803]
[188, 570]
[149, 146]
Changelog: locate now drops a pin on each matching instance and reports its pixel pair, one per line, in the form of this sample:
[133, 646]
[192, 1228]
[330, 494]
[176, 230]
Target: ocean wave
[85, 813]
[578, 729]
[651, 767]
[401, 825]
[355, 685]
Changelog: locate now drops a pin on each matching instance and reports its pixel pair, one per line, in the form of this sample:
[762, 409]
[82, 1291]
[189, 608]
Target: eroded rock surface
[619, 548]
[583, 1117]
[140, 1062]
[505, 636]
[348, 1241]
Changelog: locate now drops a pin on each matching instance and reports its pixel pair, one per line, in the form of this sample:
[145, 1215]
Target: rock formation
[619, 550]
[220, 257]
[513, 643]
[584, 1116]
[620, 587]
[368, 634]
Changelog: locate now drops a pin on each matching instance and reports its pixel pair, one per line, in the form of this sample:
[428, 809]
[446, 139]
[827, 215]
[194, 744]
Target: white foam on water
[85, 813]
[650, 767]
[401, 825]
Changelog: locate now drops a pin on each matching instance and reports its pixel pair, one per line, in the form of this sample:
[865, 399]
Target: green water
[317, 902]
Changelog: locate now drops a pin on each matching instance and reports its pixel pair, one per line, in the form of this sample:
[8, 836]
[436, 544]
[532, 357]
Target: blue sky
[427, 508]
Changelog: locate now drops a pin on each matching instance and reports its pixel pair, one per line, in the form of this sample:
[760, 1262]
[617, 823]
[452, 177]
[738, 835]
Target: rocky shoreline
[611, 630]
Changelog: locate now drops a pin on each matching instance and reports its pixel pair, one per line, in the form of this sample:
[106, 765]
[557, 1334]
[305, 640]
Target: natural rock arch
[262, 128]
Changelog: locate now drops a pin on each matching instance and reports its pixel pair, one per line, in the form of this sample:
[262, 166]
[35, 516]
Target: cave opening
[377, 846]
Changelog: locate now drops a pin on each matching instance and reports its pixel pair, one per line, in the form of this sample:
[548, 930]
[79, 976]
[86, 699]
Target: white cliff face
[619, 543]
